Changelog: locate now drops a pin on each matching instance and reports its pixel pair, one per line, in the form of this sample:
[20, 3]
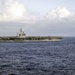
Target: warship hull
[30, 38]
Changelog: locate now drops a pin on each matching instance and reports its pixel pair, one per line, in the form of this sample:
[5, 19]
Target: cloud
[13, 10]
[59, 21]
[59, 14]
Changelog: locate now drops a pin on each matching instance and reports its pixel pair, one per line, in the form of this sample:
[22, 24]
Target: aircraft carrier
[21, 37]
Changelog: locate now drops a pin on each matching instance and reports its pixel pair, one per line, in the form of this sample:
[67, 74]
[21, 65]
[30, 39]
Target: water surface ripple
[38, 58]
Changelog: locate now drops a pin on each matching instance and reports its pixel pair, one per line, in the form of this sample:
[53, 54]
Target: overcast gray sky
[37, 17]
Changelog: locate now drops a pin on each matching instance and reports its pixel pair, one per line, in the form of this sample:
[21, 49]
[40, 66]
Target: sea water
[38, 58]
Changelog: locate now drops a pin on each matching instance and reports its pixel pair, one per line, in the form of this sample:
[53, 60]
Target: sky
[37, 17]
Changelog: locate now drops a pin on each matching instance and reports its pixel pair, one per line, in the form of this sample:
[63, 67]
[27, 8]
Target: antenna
[20, 29]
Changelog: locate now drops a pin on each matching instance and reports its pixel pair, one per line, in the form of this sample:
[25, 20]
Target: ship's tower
[21, 34]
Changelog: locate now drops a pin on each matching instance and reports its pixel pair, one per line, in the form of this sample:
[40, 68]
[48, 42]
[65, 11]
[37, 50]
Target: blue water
[38, 58]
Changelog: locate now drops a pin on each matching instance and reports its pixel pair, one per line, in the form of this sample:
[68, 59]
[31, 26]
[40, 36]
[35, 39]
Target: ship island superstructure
[21, 37]
[21, 34]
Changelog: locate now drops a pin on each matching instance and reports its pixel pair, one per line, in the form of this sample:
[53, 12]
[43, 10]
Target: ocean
[38, 58]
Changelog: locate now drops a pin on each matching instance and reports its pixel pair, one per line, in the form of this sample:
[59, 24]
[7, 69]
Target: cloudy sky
[37, 17]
